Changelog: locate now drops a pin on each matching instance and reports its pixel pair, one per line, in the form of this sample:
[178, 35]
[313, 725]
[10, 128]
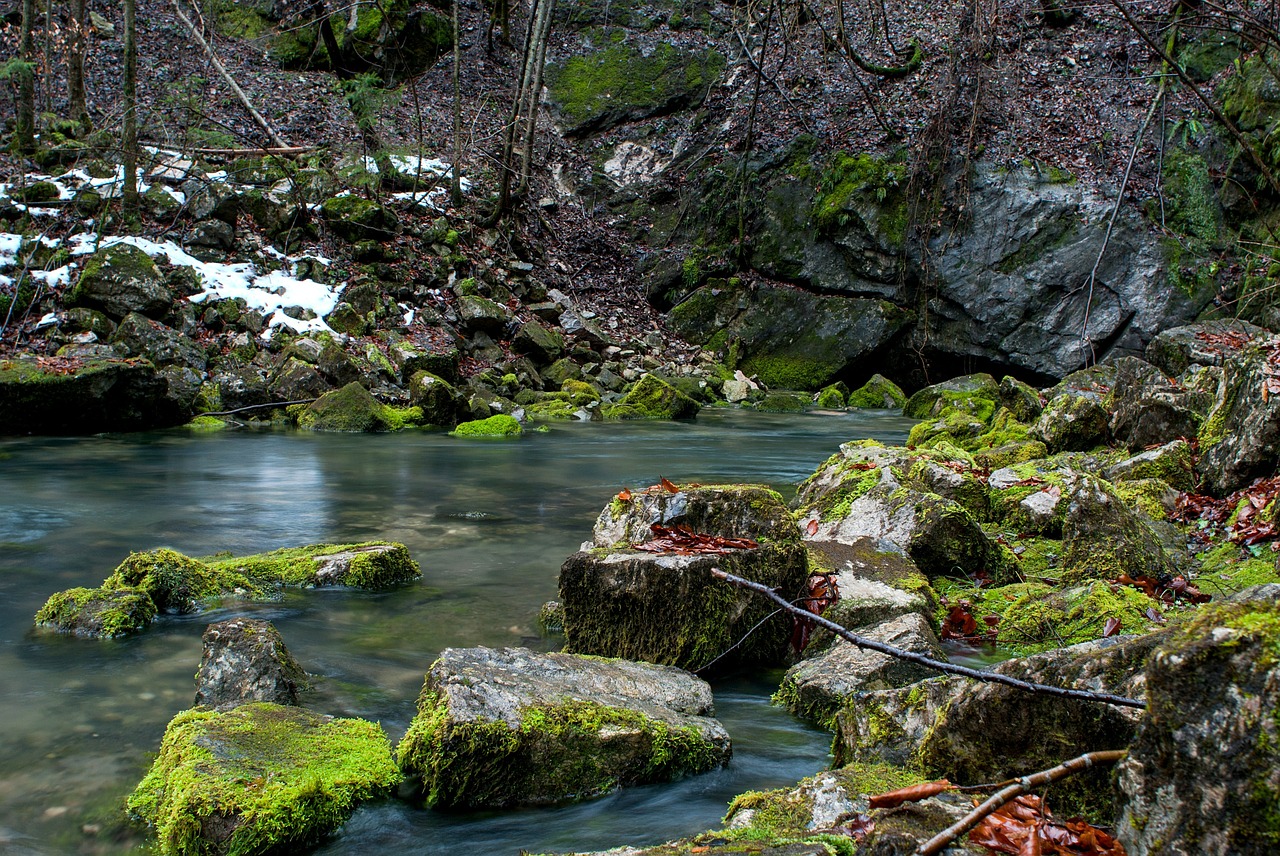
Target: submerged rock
[505, 727]
[245, 660]
[666, 607]
[260, 778]
[1203, 773]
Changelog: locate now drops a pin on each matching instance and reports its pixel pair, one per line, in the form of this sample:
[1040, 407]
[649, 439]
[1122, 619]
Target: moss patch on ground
[260, 778]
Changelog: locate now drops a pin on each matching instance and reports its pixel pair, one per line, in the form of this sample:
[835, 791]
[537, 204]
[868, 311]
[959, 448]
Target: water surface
[489, 522]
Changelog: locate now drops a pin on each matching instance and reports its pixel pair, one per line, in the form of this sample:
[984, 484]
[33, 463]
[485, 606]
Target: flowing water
[490, 524]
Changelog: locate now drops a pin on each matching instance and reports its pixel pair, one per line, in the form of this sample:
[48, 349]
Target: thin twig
[911, 656]
[258, 407]
[940, 841]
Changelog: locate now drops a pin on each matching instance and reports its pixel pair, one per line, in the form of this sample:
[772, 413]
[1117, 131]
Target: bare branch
[910, 656]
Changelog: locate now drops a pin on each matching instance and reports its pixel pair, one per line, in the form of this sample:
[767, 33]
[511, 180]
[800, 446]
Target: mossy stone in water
[260, 778]
[878, 393]
[353, 409]
[99, 612]
[498, 425]
[652, 398]
[175, 582]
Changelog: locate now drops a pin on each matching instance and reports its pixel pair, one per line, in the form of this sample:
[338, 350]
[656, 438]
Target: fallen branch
[258, 407]
[282, 151]
[940, 841]
[911, 656]
[226, 75]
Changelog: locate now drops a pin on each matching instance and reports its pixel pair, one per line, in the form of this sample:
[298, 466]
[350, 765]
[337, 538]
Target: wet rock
[652, 398]
[480, 314]
[539, 341]
[260, 778]
[877, 393]
[498, 425]
[972, 732]
[234, 384]
[95, 394]
[817, 687]
[875, 586]
[666, 608]
[353, 409]
[98, 613]
[1174, 350]
[1203, 772]
[442, 404]
[140, 336]
[504, 727]
[975, 395]
[121, 279]
[245, 660]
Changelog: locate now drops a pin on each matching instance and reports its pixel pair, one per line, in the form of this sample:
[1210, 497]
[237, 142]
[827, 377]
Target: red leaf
[914, 793]
[624, 495]
[1111, 628]
[668, 485]
[812, 528]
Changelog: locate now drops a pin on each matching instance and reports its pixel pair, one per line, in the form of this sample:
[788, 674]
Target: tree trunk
[455, 182]
[541, 30]
[27, 80]
[507, 162]
[130, 108]
[75, 62]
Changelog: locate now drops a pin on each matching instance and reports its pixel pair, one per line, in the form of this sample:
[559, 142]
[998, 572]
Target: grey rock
[214, 234]
[207, 199]
[507, 726]
[1239, 439]
[163, 346]
[122, 279]
[1175, 350]
[245, 660]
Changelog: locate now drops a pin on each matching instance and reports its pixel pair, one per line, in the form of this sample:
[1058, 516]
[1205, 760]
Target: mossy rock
[976, 395]
[878, 393]
[98, 613]
[353, 409]
[621, 83]
[260, 778]
[498, 425]
[178, 583]
[96, 395]
[652, 398]
[830, 397]
[1072, 423]
[549, 728]
[354, 218]
[120, 279]
[368, 565]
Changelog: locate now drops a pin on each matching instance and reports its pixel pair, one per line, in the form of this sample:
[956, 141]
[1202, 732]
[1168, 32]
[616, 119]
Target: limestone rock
[1072, 422]
[1147, 408]
[504, 727]
[481, 314]
[1103, 537]
[260, 778]
[121, 279]
[975, 394]
[351, 409]
[667, 608]
[877, 393]
[1174, 350]
[652, 398]
[100, 394]
[140, 336]
[442, 404]
[539, 341]
[354, 218]
[1171, 462]
[973, 732]
[1239, 439]
[818, 686]
[245, 660]
[1203, 773]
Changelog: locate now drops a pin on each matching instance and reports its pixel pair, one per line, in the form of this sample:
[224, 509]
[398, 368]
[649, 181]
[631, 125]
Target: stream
[489, 522]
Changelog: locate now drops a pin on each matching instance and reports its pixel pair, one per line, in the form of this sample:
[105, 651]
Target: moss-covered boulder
[652, 398]
[1207, 343]
[258, 779]
[665, 607]
[1148, 408]
[353, 409]
[139, 336]
[1021, 399]
[541, 343]
[121, 279]
[621, 82]
[245, 660]
[1239, 438]
[816, 688]
[481, 315]
[972, 732]
[504, 727]
[178, 583]
[867, 491]
[71, 395]
[498, 425]
[370, 565]
[1203, 773]
[875, 586]
[977, 395]
[98, 613]
[878, 393]
[441, 403]
[1103, 537]
[1173, 463]
[1072, 422]
[354, 218]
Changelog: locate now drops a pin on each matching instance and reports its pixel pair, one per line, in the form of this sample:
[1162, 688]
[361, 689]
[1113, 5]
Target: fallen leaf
[914, 793]
[812, 528]
[668, 485]
[624, 495]
[1111, 628]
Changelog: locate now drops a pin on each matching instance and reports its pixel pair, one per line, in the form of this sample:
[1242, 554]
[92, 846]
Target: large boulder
[70, 395]
[1103, 537]
[651, 397]
[1207, 343]
[1239, 438]
[121, 279]
[353, 409]
[665, 607]
[245, 660]
[441, 403]
[1203, 773]
[971, 731]
[260, 778]
[503, 727]
[1148, 408]
[99, 613]
[1072, 422]
[140, 336]
[817, 687]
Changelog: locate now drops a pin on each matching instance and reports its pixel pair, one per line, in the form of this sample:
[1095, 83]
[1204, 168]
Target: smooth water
[489, 522]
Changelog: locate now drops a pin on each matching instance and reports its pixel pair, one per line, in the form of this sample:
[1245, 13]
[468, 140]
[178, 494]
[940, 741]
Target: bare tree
[130, 107]
[75, 61]
[26, 73]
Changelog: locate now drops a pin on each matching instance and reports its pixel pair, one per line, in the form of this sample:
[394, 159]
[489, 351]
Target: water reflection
[490, 524]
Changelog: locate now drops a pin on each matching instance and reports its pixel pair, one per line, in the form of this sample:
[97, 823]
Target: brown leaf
[1111, 628]
[624, 495]
[668, 485]
[914, 793]
[812, 528]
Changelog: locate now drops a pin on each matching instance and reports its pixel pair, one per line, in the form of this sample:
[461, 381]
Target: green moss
[851, 182]
[1191, 203]
[830, 398]
[620, 81]
[176, 582]
[1228, 568]
[303, 566]
[498, 425]
[353, 409]
[788, 371]
[98, 612]
[557, 753]
[878, 392]
[206, 423]
[652, 398]
[260, 778]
